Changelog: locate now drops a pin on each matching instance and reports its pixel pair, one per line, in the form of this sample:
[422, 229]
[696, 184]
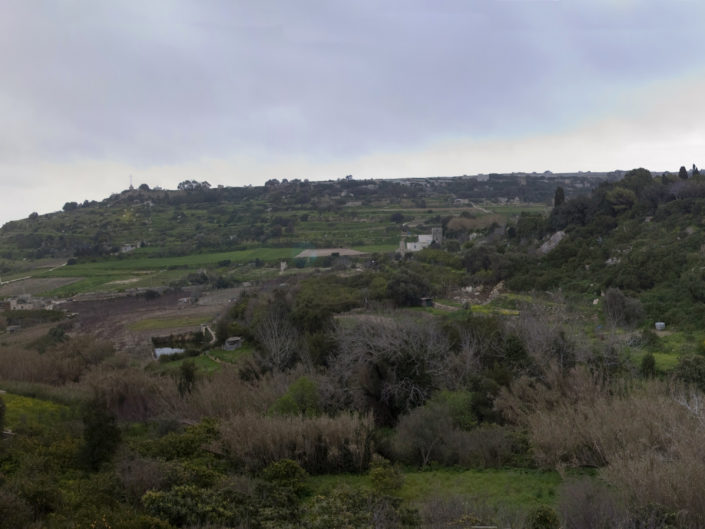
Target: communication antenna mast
[131, 188]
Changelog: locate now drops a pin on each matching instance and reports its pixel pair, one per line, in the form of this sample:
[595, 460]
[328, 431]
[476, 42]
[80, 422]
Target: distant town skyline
[239, 92]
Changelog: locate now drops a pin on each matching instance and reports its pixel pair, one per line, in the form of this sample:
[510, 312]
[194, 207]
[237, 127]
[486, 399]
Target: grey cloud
[163, 82]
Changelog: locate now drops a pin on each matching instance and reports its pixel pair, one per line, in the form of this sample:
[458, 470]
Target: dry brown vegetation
[224, 393]
[61, 364]
[645, 437]
[319, 444]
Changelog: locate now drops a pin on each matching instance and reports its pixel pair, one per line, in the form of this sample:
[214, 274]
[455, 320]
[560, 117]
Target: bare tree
[467, 362]
[390, 364]
[544, 328]
[278, 340]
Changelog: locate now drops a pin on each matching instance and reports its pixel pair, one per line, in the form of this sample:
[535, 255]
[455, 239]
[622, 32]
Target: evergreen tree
[683, 173]
[558, 197]
[695, 172]
[186, 379]
[648, 366]
[101, 435]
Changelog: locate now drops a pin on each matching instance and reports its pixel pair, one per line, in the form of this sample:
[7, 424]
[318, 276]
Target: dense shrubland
[349, 376]
[421, 390]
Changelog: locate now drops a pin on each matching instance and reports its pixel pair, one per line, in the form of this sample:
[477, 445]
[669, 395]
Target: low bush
[355, 509]
[385, 477]
[542, 517]
[188, 505]
[430, 434]
[302, 398]
[179, 445]
[139, 474]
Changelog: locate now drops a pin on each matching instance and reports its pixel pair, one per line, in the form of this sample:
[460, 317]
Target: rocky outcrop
[551, 243]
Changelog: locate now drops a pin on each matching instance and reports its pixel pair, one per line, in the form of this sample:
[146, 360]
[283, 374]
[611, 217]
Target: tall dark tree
[695, 174]
[186, 379]
[558, 197]
[683, 173]
[2, 415]
[101, 435]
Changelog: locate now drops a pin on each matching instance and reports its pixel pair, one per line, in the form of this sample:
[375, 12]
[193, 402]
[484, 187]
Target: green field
[513, 488]
[145, 272]
[142, 264]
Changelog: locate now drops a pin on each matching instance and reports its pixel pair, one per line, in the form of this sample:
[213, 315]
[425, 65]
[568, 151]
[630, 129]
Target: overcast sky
[237, 92]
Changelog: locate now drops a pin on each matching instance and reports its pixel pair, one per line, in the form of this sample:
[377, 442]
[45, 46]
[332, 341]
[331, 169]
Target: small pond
[159, 351]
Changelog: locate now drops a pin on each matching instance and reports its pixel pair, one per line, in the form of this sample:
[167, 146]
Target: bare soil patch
[115, 319]
[326, 252]
[124, 281]
[219, 297]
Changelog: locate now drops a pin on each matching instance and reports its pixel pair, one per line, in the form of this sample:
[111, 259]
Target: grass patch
[516, 488]
[516, 209]
[664, 361]
[489, 309]
[679, 343]
[232, 357]
[204, 365]
[24, 413]
[323, 483]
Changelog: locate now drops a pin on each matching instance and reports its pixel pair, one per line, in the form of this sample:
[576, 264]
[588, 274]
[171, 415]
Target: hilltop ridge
[197, 217]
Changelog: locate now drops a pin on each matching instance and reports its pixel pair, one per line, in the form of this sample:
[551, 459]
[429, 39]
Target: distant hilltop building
[424, 241]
